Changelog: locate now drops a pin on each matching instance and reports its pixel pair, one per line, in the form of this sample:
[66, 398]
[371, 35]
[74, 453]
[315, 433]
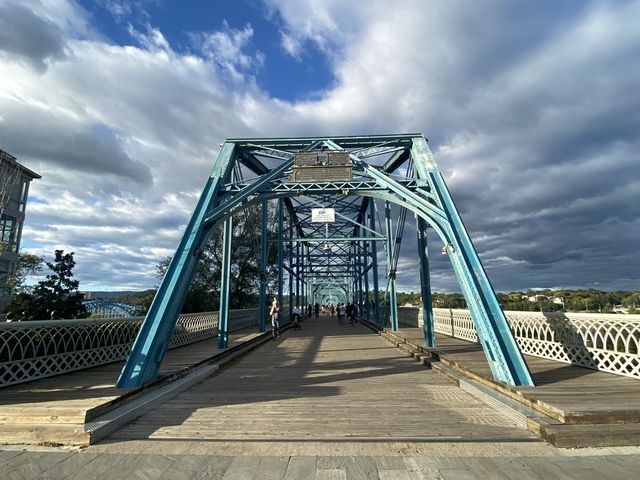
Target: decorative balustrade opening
[38, 349]
[605, 342]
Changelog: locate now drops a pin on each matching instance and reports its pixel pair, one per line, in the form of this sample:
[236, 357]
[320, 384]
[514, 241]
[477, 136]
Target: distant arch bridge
[109, 309]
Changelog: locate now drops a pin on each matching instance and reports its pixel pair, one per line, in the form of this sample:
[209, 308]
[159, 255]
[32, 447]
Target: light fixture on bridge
[326, 248]
[448, 248]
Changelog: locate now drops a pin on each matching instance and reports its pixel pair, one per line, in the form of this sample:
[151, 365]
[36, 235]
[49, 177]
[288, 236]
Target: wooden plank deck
[67, 400]
[593, 408]
[576, 394]
[324, 383]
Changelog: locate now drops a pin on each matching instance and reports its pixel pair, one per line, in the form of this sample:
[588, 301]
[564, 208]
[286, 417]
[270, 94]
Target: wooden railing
[37, 349]
[605, 342]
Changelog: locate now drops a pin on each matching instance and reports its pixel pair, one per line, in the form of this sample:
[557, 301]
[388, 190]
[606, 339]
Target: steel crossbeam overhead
[332, 259]
[328, 239]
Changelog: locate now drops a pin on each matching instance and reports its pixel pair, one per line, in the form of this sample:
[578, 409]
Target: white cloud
[226, 48]
[117, 8]
[325, 23]
[66, 14]
[152, 40]
[532, 111]
[291, 45]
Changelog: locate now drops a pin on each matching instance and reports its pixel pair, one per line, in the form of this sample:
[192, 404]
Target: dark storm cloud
[30, 37]
[41, 134]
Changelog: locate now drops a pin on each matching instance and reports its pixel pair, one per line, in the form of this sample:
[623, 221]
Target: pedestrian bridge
[325, 382]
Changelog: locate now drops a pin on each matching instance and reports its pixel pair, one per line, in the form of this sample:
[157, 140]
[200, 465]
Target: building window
[4, 276]
[8, 227]
[23, 196]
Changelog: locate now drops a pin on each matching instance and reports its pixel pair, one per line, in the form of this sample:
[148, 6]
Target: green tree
[409, 298]
[27, 265]
[20, 306]
[632, 301]
[448, 300]
[56, 296]
[204, 292]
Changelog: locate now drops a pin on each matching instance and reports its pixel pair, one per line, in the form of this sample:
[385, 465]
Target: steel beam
[391, 276]
[331, 239]
[367, 302]
[425, 284]
[262, 306]
[290, 260]
[280, 253]
[155, 333]
[298, 282]
[344, 141]
[504, 357]
[360, 285]
[225, 283]
[374, 260]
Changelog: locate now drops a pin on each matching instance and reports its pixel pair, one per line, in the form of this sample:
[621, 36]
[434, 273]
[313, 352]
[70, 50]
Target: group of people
[296, 316]
[348, 311]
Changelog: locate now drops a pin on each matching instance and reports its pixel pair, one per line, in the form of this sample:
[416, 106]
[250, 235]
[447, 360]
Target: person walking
[295, 320]
[342, 312]
[351, 313]
[274, 312]
[317, 310]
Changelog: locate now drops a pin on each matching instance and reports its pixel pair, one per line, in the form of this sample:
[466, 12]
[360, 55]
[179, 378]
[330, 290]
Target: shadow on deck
[588, 407]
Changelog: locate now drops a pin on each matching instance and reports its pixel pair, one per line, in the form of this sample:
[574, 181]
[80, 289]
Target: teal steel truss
[329, 260]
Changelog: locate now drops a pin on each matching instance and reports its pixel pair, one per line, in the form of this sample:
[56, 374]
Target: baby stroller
[295, 322]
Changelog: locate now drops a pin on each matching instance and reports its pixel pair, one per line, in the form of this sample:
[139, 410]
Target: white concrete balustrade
[605, 342]
[37, 349]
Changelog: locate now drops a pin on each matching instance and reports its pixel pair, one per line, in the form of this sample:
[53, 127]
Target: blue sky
[532, 110]
[281, 74]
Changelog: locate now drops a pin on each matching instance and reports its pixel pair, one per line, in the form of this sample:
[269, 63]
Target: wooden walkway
[50, 409]
[332, 383]
[598, 407]
[325, 383]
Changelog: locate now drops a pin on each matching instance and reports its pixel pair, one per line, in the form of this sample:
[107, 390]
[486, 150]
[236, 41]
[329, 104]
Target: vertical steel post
[297, 270]
[312, 293]
[290, 261]
[225, 281]
[393, 301]
[360, 271]
[367, 301]
[303, 287]
[425, 284]
[280, 253]
[307, 269]
[374, 259]
[354, 273]
[262, 314]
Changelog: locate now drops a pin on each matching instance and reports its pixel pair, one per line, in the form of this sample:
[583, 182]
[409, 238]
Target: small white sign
[323, 215]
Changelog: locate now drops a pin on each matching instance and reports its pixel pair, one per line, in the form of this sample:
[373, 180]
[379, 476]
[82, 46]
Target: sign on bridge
[323, 215]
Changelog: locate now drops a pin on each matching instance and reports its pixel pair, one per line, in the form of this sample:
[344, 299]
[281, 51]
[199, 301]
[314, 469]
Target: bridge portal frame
[421, 190]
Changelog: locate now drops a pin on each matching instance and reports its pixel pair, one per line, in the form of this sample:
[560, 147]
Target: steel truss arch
[348, 257]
